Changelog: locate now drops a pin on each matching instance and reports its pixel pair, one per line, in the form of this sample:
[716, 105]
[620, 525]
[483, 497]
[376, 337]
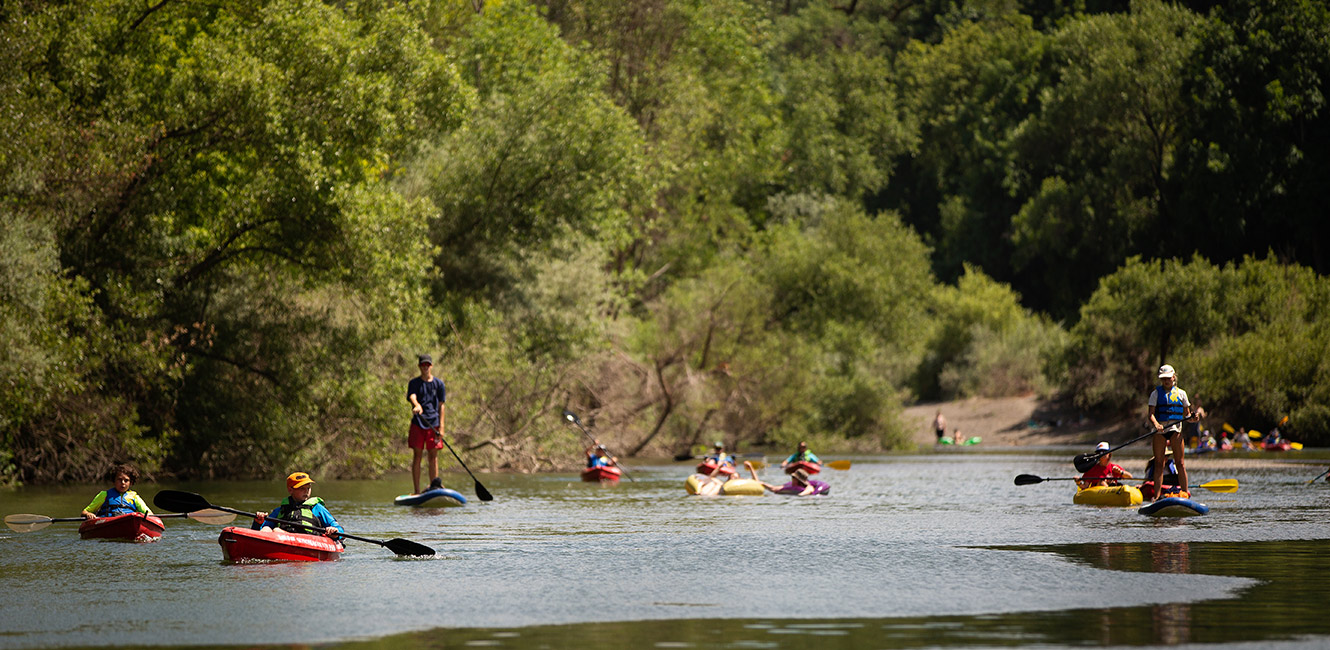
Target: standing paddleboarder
[1168, 408]
[426, 394]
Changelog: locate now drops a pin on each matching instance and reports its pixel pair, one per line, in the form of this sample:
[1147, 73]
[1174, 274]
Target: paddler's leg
[433, 465]
[415, 470]
[1158, 443]
[1179, 445]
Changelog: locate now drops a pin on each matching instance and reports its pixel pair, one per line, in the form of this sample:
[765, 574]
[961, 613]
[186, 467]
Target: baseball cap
[1166, 371]
[424, 358]
[1103, 446]
[298, 479]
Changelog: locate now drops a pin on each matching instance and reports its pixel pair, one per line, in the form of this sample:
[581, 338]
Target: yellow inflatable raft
[1106, 495]
[696, 483]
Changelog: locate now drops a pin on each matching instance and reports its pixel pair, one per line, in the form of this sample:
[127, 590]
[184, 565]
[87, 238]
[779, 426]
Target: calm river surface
[916, 551]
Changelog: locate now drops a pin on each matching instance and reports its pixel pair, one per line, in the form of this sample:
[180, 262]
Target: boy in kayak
[800, 485]
[1105, 472]
[802, 455]
[1168, 408]
[724, 462]
[302, 507]
[117, 499]
[597, 456]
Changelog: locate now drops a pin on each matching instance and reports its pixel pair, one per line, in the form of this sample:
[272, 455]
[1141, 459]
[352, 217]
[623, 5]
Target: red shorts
[424, 438]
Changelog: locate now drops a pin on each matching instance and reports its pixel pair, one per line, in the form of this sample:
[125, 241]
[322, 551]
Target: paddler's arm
[325, 518]
[90, 512]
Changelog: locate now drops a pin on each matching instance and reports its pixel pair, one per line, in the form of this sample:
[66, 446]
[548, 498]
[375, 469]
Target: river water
[938, 550]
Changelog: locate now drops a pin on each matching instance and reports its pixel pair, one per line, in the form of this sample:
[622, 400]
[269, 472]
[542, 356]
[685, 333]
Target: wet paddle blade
[1222, 485]
[407, 547]
[1295, 446]
[214, 517]
[22, 523]
[482, 493]
[177, 501]
[1028, 479]
[1084, 462]
[839, 464]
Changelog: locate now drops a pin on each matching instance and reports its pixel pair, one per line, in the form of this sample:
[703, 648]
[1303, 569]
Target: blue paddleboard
[1174, 507]
[433, 497]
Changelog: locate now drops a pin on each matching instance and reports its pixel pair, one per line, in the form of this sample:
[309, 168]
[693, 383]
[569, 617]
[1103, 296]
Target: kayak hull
[707, 467]
[733, 487]
[604, 474]
[1281, 446]
[439, 497]
[811, 468]
[1108, 495]
[134, 526]
[1174, 507]
[243, 544]
[819, 488]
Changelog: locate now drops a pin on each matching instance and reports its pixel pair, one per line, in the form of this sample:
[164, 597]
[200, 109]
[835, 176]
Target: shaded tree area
[225, 230]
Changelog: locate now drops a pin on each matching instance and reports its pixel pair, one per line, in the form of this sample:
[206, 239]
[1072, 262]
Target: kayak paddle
[178, 501]
[481, 492]
[1084, 462]
[23, 523]
[1217, 485]
[835, 464]
[1308, 483]
[572, 417]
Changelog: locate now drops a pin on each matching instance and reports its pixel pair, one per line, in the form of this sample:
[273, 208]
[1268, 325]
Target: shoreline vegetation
[226, 231]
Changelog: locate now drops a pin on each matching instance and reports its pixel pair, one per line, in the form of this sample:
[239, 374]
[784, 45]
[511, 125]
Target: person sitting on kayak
[800, 485]
[801, 456]
[719, 458]
[1224, 443]
[597, 456]
[1105, 472]
[1171, 487]
[118, 499]
[1273, 438]
[302, 507]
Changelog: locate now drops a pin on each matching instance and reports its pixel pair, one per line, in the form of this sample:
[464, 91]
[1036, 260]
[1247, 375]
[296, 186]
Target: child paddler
[801, 455]
[300, 506]
[118, 499]
[597, 456]
[1105, 472]
[1170, 478]
[800, 485]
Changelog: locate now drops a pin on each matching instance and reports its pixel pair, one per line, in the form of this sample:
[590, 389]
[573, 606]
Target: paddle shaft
[575, 420]
[481, 492]
[1318, 476]
[1217, 485]
[1084, 462]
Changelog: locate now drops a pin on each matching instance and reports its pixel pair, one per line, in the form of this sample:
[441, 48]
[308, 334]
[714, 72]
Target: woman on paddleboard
[1168, 409]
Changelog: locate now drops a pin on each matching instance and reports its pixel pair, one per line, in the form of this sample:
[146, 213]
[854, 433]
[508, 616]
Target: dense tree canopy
[226, 229]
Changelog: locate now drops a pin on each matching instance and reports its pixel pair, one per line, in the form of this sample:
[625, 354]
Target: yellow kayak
[1108, 495]
[696, 484]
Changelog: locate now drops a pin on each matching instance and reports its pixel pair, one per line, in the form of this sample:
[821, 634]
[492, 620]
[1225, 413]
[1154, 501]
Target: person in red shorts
[426, 394]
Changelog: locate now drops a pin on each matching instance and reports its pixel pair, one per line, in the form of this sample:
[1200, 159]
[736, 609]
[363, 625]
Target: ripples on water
[911, 551]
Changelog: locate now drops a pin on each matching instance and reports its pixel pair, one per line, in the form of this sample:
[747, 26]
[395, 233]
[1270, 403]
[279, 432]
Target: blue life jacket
[1168, 405]
[116, 505]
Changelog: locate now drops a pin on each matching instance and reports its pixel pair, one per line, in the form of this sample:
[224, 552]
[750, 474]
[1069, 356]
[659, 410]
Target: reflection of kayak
[433, 497]
[708, 466]
[245, 544]
[1174, 507]
[819, 488]
[811, 468]
[133, 526]
[733, 487]
[603, 473]
[1108, 495]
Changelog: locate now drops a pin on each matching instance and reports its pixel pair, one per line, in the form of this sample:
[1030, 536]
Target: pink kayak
[133, 526]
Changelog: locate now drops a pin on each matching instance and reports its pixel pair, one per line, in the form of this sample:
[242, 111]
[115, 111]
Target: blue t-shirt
[430, 395]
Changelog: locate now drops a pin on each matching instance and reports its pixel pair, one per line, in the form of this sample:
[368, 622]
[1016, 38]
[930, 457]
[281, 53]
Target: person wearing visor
[1168, 408]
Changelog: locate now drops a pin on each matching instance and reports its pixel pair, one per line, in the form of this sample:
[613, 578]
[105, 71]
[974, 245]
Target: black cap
[424, 358]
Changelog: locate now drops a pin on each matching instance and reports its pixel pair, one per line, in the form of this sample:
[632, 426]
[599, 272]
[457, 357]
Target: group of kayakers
[1108, 473]
[720, 466]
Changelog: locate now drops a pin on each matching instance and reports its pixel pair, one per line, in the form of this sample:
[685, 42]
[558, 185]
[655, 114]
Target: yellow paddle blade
[1228, 427]
[1282, 421]
[1295, 446]
[758, 464]
[839, 464]
[1254, 435]
[1222, 485]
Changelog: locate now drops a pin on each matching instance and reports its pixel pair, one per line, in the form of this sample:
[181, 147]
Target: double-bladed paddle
[835, 464]
[24, 523]
[1217, 485]
[1318, 476]
[572, 417]
[481, 492]
[179, 501]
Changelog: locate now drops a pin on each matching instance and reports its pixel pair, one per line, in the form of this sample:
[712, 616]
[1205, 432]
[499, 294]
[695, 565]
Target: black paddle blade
[177, 501]
[1028, 479]
[570, 416]
[1084, 462]
[482, 493]
[407, 547]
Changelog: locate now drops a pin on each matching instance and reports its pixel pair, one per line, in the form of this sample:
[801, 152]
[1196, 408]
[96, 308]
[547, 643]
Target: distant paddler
[802, 459]
[800, 485]
[1104, 472]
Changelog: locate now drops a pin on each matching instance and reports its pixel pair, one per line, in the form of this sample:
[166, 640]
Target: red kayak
[133, 526]
[1278, 446]
[708, 466]
[811, 468]
[244, 544]
[603, 473]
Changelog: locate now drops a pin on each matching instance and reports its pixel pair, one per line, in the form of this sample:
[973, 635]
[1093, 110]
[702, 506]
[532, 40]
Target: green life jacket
[301, 512]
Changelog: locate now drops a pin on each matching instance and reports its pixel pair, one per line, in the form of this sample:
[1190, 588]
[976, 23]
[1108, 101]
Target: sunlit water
[909, 551]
